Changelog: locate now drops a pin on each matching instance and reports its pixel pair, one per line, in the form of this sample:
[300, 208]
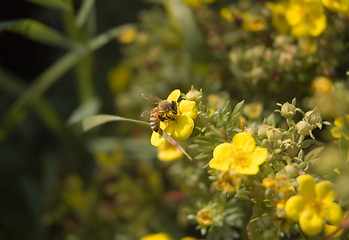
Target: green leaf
[308, 142]
[36, 31]
[88, 108]
[96, 120]
[84, 11]
[57, 4]
[238, 107]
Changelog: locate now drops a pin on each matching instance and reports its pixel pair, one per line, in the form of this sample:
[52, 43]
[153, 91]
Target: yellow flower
[196, 3]
[227, 14]
[242, 155]
[229, 181]
[313, 206]
[306, 18]
[253, 110]
[128, 36]
[167, 152]
[341, 127]
[119, 77]
[205, 217]
[183, 124]
[278, 19]
[330, 229]
[252, 23]
[322, 85]
[341, 6]
[157, 236]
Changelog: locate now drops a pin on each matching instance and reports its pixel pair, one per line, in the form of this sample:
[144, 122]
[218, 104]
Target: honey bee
[165, 110]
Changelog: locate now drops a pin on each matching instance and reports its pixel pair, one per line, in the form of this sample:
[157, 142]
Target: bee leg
[162, 118]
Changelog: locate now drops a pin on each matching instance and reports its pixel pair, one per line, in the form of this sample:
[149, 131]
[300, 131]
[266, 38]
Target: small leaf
[96, 120]
[238, 107]
[36, 31]
[88, 108]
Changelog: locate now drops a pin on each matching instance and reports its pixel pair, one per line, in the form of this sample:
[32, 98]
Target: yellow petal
[157, 236]
[294, 14]
[306, 186]
[223, 150]
[182, 127]
[250, 170]
[156, 139]
[339, 122]
[244, 142]
[221, 157]
[318, 26]
[174, 95]
[294, 207]
[311, 223]
[324, 190]
[258, 156]
[188, 108]
[333, 213]
[329, 229]
[167, 152]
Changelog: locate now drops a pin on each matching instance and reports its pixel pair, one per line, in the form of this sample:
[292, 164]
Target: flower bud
[291, 171]
[193, 95]
[304, 128]
[313, 117]
[288, 110]
[262, 131]
[205, 217]
[290, 148]
[273, 134]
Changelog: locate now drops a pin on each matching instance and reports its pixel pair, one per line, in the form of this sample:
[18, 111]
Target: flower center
[240, 160]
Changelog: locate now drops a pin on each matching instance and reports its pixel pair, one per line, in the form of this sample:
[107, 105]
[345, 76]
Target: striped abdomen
[154, 120]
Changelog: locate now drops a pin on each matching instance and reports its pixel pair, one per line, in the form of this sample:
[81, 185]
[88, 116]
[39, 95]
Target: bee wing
[151, 98]
[174, 143]
[146, 114]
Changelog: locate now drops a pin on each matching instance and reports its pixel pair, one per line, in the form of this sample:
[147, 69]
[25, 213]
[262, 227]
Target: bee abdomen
[154, 122]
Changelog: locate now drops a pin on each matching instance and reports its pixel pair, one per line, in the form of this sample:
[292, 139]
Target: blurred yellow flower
[167, 152]
[205, 217]
[227, 14]
[253, 110]
[278, 16]
[229, 181]
[183, 124]
[157, 236]
[119, 77]
[253, 23]
[322, 85]
[196, 3]
[313, 206]
[341, 127]
[306, 18]
[128, 36]
[242, 155]
[341, 6]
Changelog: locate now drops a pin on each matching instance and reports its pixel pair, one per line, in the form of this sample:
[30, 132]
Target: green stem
[45, 80]
[83, 67]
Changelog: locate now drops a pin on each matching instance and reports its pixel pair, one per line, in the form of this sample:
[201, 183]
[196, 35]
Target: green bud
[288, 110]
[193, 95]
[313, 117]
[262, 131]
[290, 148]
[304, 128]
[273, 134]
[291, 171]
